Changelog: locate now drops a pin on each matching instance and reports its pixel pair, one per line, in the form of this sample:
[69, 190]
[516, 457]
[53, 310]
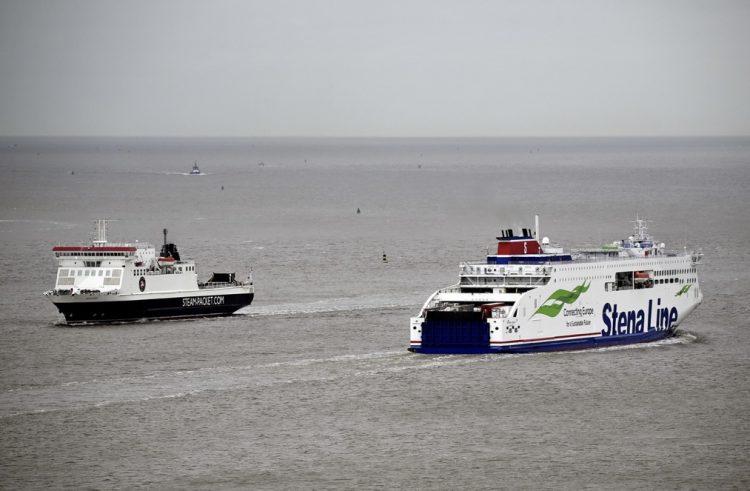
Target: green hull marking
[684, 289]
[560, 298]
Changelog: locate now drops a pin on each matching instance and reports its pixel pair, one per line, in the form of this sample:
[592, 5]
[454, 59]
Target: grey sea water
[312, 386]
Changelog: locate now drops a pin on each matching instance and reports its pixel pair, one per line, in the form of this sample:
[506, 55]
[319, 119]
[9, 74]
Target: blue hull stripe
[556, 345]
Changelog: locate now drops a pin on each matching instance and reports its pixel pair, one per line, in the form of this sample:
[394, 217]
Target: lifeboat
[166, 261]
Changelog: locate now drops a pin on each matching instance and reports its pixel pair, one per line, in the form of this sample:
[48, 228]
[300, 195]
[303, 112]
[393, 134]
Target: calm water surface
[312, 386]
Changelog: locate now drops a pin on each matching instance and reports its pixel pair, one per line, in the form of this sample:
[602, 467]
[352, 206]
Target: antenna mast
[101, 232]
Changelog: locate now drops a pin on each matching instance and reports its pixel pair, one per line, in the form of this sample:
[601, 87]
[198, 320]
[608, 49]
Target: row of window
[675, 280]
[672, 272]
[65, 273]
[666, 272]
[607, 266]
[143, 271]
[93, 254]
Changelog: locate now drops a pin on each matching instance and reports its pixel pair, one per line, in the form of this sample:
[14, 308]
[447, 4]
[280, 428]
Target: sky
[380, 68]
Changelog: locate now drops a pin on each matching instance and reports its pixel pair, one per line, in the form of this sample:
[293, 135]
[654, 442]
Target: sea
[312, 386]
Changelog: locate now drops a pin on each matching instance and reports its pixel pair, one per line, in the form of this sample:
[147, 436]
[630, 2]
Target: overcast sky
[374, 68]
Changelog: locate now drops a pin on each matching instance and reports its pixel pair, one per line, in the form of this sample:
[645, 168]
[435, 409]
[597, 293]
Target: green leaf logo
[554, 304]
[684, 289]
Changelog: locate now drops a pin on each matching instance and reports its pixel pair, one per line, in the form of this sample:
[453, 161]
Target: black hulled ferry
[108, 282]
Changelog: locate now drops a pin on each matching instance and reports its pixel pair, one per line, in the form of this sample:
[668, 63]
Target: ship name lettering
[619, 323]
[202, 301]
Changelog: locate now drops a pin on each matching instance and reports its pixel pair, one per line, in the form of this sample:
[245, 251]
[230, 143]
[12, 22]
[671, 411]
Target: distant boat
[195, 171]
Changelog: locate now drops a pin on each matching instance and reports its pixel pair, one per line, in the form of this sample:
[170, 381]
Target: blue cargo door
[456, 332]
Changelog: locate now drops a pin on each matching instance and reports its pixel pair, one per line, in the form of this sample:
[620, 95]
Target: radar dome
[545, 240]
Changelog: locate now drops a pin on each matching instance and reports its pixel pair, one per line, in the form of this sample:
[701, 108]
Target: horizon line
[374, 137]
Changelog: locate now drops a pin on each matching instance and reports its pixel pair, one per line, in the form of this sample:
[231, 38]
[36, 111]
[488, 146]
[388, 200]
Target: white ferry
[106, 282]
[533, 296]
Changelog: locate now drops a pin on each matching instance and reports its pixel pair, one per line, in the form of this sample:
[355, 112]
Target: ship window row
[144, 271]
[663, 281]
[94, 264]
[672, 272]
[624, 283]
[106, 273]
[596, 266]
[92, 254]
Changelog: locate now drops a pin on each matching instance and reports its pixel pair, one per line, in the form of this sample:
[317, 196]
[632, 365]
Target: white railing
[219, 284]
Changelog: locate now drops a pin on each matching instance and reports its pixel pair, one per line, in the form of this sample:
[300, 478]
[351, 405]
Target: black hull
[158, 308]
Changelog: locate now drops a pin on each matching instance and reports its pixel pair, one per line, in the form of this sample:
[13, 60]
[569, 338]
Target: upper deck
[523, 263]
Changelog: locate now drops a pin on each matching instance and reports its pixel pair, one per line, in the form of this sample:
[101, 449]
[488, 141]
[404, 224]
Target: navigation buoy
[358, 211]
[385, 258]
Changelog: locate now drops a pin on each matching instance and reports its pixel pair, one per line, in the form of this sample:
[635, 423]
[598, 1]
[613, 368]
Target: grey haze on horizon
[363, 68]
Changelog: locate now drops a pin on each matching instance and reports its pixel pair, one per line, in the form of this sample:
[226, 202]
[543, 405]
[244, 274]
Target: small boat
[195, 171]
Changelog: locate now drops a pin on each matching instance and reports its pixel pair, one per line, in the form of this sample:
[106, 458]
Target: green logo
[554, 304]
[684, 289]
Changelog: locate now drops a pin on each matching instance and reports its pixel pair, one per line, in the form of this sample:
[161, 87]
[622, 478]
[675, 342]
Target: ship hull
[562, 343]
[99, 310]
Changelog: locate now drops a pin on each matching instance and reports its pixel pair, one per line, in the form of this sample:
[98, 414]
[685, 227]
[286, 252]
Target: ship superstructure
[534, 296]
[105, 282]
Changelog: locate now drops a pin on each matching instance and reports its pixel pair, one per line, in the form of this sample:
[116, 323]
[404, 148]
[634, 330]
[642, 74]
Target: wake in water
[78, 395]
[81, 395]
[330, 305]
[252, 311]
[680, 338]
